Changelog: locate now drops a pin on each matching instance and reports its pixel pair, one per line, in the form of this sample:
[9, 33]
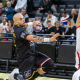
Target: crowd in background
[65, 26]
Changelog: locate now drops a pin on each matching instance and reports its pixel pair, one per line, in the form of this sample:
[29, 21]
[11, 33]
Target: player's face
[21, 21]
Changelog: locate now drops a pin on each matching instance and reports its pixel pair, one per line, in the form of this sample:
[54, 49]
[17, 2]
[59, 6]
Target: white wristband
[46, 40]
[30, 24]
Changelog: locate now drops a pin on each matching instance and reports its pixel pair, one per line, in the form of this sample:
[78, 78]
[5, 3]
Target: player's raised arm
[34, 24]
[35, 38]
[78, 19]
[19, 19]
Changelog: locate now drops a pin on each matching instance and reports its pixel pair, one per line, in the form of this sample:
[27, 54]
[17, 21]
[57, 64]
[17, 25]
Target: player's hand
[35, 23]
[53, 38]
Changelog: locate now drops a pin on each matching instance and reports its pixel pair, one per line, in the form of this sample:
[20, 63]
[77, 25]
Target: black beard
[22, 25]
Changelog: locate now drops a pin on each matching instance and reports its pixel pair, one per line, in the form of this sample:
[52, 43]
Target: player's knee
[51, 63]
[48, 66]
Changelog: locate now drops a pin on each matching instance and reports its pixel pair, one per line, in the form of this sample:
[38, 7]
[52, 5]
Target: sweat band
[46, 40]
[30, 24]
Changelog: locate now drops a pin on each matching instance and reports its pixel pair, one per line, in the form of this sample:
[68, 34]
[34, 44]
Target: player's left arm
[35, 38]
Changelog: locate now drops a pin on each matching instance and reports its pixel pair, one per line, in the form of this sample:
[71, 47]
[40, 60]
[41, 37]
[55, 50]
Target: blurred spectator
[9, 11]
[23, 12]
[49, 25]
[30, 29]
[68, 29]
[50, 17]
[1, 6]
[64, 18]
[10, 30]
[13, 3]
[10, 26]
[73, 15]
[3, 25]
[71, 29]
[45, 6]
[20, 4]
[56, 29]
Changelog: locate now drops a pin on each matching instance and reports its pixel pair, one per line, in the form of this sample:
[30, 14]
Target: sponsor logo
[27, 74]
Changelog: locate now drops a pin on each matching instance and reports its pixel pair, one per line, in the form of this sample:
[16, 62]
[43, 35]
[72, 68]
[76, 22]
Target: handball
[38, 28]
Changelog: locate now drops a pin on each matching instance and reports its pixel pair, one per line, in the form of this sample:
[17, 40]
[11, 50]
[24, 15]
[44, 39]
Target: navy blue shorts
[32, 61]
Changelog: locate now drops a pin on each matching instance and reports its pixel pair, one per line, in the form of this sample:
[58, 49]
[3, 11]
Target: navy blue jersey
[23, 46]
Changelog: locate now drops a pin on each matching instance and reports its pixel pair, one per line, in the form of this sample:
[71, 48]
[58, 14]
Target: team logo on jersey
[22, 35]
[31, 43]
[27, 74]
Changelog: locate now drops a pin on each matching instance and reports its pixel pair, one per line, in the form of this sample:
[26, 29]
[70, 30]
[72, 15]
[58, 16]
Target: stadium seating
[62, 6]
[70, 6]
[77, 6]
[68, 10]
[36, 3]
[57, 14]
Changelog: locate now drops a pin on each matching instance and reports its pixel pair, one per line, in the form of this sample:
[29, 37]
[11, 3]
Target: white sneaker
[11, 75]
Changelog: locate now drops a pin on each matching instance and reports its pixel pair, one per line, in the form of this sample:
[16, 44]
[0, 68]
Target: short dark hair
[48, 21]
[63, 12]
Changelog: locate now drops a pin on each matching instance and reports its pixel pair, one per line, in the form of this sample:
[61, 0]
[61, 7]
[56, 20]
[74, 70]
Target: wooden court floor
[4, 76]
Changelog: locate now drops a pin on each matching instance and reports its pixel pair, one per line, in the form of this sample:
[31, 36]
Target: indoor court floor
[4, 76]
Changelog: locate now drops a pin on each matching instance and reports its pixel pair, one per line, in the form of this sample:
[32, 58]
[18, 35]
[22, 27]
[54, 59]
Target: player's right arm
[78, 19]
[78, 33]
[35, 38]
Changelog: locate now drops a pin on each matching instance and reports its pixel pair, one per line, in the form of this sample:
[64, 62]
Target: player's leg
[26, 68]
[44, 63]
[46, 66]
[76, 75]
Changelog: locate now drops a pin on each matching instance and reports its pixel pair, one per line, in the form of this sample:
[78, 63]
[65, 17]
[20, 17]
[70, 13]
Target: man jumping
[27, 56]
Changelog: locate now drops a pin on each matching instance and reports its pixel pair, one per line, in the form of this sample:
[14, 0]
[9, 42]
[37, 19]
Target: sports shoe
[11, 75]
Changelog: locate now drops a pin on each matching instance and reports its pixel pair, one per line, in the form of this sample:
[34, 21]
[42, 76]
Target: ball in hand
[38, 28]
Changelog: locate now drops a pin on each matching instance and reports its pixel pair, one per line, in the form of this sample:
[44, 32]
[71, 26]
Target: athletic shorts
[32, 61]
